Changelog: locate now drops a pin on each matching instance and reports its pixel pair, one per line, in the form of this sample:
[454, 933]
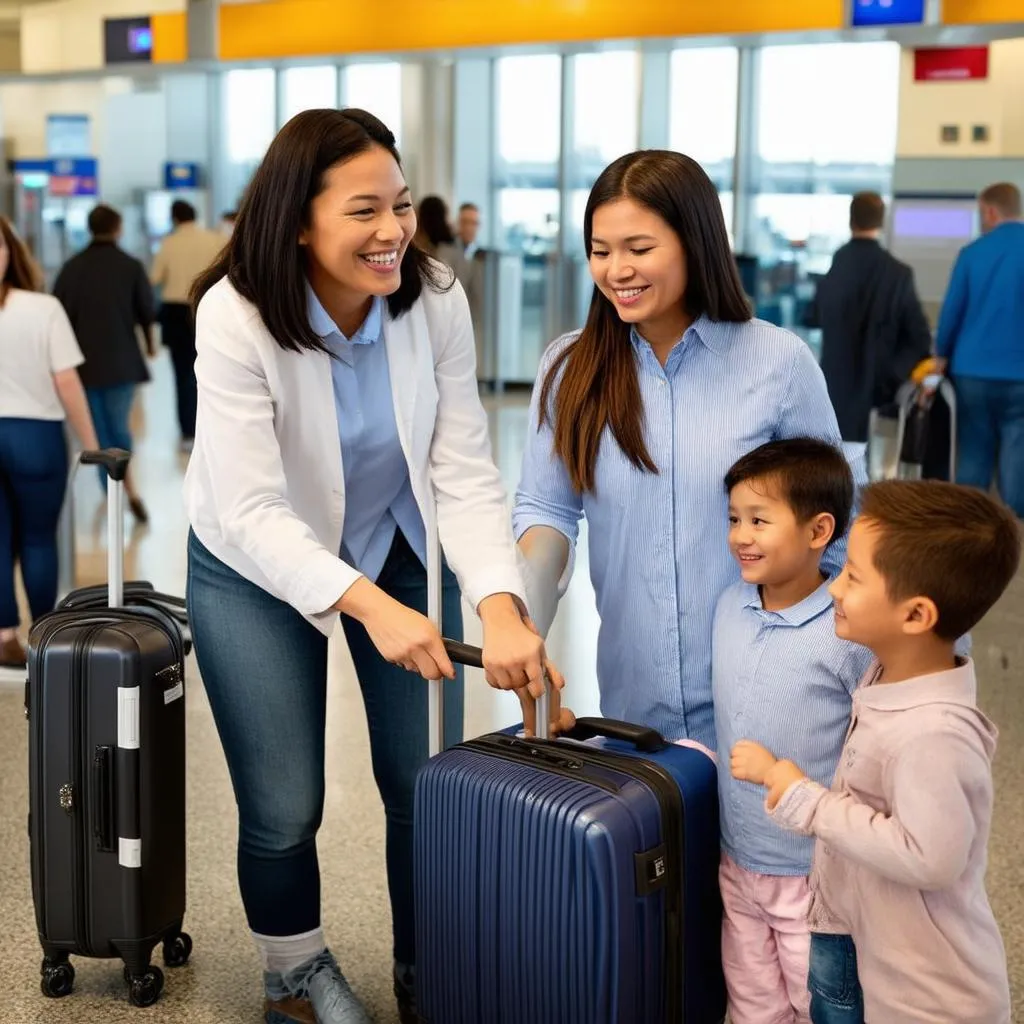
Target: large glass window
[529, 119]
[249, 123]
[376, 87]
[826, 128]
[528, 105]
[606, 113]
[308, 88]
[702, 114]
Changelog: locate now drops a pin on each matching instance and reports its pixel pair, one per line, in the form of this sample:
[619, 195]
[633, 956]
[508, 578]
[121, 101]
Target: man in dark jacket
[106, 293]
[874, 329]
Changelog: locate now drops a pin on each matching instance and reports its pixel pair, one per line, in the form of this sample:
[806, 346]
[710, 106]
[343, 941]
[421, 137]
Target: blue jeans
[990, 436]
[265, 672]
[111, 409]
[33, 479]
[836, 996]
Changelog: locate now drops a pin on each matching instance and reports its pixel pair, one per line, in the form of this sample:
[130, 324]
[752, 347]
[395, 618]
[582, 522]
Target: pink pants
[765, 945]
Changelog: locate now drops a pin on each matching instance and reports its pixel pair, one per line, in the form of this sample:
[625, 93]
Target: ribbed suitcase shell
[527, 890]
[87, 793]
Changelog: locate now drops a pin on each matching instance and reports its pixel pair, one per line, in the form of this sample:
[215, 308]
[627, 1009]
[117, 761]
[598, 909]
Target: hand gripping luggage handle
[435, 696]
[647, 741]
[466, 654]
[115, 462]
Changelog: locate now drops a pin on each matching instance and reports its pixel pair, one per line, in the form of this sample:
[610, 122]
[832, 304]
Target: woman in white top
[339, 433]
[39, 387]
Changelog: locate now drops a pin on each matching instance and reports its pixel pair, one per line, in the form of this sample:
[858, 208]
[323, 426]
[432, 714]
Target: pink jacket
[901, 852]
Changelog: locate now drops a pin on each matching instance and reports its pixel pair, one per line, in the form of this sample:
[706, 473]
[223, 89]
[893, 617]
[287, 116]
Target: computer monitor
[928, 232]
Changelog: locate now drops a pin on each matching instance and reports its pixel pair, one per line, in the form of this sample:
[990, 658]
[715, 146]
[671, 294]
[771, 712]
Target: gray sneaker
[315, 993]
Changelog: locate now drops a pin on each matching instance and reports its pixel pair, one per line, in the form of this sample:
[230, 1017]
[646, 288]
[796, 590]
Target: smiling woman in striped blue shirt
[635, 421]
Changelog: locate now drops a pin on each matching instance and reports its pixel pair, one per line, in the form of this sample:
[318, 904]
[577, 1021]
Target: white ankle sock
[283, 953]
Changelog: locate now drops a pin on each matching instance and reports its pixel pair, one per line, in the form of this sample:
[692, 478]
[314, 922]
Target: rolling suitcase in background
[919, 441]
[568, 882]
[106, 709]
[927, 442]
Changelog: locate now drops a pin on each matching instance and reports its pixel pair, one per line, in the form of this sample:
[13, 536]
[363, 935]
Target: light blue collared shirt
[785, 680]
[659, 552]
[378, 492]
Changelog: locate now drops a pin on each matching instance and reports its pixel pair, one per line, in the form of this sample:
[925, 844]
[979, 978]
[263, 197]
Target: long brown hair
[22, 271]
[598, 385]
[262, 258]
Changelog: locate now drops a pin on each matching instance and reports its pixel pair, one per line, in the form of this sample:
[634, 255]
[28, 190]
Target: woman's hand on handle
[402, 636]
[514, 656]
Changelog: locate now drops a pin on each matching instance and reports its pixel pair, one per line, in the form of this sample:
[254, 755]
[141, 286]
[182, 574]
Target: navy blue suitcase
[569, 881]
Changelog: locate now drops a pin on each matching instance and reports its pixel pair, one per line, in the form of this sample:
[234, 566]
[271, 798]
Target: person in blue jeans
[836, 995]
[106, 295]
[39, 388]
[339, 435]
[980, 344]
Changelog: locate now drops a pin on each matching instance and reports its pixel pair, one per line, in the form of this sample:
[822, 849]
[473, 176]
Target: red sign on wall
[951, 64]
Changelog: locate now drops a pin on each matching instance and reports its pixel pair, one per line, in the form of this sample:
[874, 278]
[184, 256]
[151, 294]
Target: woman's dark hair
[263, 259]
[22, 270]
[432, 218]
[599, 386]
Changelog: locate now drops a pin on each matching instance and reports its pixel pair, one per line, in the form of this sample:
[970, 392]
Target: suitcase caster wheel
[145, 990]
[57, 980]
[177, 950]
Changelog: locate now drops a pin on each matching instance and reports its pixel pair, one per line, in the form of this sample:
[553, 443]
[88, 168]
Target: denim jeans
[111, 410]
[836, 996]
[990, 436]
[33, 479]
[264, 668]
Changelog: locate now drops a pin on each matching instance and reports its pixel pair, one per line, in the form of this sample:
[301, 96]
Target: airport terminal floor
[221, 985]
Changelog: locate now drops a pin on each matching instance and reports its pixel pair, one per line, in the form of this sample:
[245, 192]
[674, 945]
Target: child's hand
[779, 778]
[750, 762]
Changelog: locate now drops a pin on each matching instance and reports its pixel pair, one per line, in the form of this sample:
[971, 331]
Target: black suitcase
[106, 709]
[928, 434]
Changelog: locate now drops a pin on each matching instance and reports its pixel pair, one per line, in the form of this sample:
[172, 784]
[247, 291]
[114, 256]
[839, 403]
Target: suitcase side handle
[647, 741]
[103, 798]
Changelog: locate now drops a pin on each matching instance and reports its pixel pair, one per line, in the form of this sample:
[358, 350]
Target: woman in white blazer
[339, 433]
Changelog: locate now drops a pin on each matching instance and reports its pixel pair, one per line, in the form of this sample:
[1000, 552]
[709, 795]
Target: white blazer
[265, 491]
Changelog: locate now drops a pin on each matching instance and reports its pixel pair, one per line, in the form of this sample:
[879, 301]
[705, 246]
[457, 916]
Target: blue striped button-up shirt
[659, 553]
[785, 680]
[378, 492]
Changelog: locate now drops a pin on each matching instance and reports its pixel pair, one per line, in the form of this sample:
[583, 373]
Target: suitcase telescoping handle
[460, 653]
[466, 654]
[115, 462]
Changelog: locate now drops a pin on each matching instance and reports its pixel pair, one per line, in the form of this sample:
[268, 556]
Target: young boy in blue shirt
[782, 677]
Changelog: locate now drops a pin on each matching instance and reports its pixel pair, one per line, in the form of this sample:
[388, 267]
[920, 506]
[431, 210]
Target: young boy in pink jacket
[903, 930]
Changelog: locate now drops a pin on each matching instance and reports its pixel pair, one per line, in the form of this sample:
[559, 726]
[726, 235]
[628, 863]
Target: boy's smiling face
[771, 545]
[865, 612]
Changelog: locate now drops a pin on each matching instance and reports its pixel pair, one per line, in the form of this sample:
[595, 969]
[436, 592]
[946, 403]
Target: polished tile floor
[222, 983]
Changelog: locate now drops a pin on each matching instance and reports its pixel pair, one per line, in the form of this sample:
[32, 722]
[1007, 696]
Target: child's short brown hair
[812, 477]
[952, 544]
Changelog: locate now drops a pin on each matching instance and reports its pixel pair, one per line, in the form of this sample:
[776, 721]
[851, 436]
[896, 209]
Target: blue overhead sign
[67, 176]
[180, 176]
[888, 12]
